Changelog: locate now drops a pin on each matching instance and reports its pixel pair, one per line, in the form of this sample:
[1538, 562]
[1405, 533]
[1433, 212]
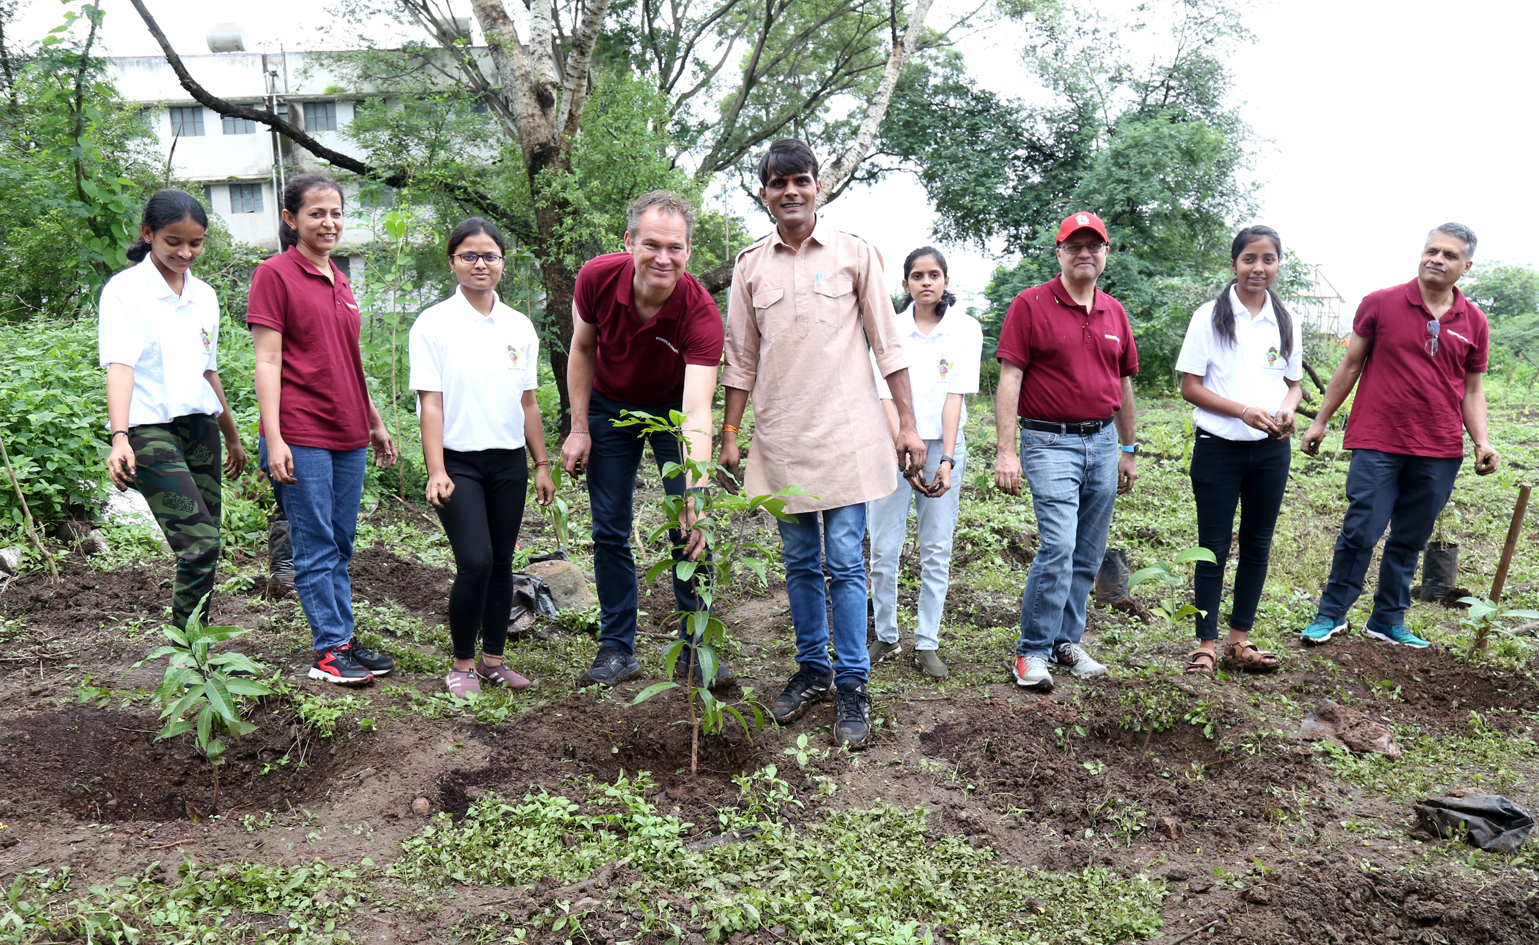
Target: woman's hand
[1258, 419]
[439, 488]
[1285, 424]
[121, 466]
[384, 446]
[942, 483]
[280, 462]
[234, 458]
[544, 486]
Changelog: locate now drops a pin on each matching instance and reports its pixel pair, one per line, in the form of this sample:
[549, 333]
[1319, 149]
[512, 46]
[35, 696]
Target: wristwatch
[1129, 447]
[948, 459]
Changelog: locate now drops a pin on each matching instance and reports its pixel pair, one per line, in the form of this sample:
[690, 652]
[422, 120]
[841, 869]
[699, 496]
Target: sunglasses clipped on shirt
[1433, 327]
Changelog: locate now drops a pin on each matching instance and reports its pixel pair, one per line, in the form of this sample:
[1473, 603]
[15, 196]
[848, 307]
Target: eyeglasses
[1074, 249]
[1433, 327]
[469, 259]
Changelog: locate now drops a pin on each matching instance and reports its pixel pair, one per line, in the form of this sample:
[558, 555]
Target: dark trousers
[612, 466]
[481, 519]
[1405, 493]
[177, 470]
[1254, 476]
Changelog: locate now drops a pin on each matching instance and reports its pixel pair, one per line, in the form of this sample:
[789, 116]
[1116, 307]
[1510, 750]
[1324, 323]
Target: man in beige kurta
[806, 301]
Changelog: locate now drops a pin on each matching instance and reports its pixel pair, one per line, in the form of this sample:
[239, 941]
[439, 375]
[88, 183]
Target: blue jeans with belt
[1073, 480]
[612, 464]
[1404, 493]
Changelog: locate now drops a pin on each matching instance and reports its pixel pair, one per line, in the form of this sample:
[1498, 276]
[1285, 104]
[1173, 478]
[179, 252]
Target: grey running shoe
[879, 650]
[1072, 657]
[612, 666]
[929, 663]
[803, 689]
[852, 716]
[1031, 673]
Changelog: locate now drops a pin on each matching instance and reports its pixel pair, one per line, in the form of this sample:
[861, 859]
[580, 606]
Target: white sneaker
[1072, 657]
[1031, 673]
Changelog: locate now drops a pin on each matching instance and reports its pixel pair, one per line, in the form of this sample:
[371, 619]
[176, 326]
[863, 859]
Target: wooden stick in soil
[1514, 531]
[37, 543]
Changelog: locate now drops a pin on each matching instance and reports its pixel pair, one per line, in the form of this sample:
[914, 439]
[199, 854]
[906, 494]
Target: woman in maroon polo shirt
[317, 418]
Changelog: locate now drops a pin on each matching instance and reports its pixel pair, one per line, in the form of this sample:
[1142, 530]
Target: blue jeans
[322, 507]
[839, 531]
[612, 466]
[1405, 493]
[888, 523]
[1073, 480]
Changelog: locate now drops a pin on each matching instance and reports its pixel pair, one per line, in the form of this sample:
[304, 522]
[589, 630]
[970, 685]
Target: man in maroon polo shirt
[646, 337]
[1066, 363]
[1419, 349]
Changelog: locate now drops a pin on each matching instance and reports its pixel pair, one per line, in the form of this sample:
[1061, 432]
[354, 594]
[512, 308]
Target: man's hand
[384, 447]
[120, 465]
[731, 459]
[1007, 473]
[574, 452]
[234, 458]
[1127, 472]
[911, 453]
[1313, 437]
[439, 488]
[695, 544]
[1486, 459]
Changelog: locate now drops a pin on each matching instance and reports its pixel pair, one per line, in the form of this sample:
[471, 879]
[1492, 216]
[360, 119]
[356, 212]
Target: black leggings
[481, 519]
[1226, 473]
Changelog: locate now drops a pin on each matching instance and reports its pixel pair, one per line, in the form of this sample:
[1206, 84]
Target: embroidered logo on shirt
[1112, 338]
[208, 339]
[668, 343]
[1271, 355]
[514, 355]
[944, 368]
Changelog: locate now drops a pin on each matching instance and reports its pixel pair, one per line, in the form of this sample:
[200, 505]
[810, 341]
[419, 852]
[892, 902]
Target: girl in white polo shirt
[944, 347]
[158, 337]
[1240, 367]
[475, 367]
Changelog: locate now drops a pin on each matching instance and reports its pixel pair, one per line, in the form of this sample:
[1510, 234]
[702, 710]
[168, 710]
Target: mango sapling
[1169, 608]
[199, 692]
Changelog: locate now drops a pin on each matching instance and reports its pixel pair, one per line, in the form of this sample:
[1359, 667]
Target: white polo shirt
[943, 362]
[482, 364]
[168, 339]
[1251, 371]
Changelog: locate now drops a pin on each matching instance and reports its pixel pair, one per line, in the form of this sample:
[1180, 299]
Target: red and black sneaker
[340, 665]
[377, 663]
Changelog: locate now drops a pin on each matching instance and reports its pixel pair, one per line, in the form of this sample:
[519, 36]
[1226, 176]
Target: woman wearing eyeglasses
[475, 367]
[1240, 367]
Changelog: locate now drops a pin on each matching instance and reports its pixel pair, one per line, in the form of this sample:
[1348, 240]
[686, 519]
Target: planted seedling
[732, 552]
[1169, 608]
[199, 694]
[1485, 615]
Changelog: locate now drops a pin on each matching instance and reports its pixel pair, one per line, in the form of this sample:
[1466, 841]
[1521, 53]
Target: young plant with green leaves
[1485, 615]
[722, 517]
[199, 692]
[1169, 608]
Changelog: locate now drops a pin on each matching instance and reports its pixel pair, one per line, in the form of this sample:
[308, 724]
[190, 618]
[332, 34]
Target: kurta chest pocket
[773, 312]
[836, 301]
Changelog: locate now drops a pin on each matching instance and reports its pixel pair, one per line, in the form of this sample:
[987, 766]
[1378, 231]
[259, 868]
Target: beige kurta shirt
[798, 325]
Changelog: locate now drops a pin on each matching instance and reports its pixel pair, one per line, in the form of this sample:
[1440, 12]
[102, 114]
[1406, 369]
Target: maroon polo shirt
[1408, 400]
[324, 402]
[1074, 360]
[640, 363]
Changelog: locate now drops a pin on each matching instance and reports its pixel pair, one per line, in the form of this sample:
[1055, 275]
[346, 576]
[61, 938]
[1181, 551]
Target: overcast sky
[1377, 121]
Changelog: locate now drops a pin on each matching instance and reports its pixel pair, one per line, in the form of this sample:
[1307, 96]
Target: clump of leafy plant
[723, 518]
[1485, 615]
[199, 692]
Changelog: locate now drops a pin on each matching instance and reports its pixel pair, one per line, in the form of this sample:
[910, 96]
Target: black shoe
[803, 689]
[852, 716]
[377, 663]
[612, 666]
[340, 665]
[723, 674]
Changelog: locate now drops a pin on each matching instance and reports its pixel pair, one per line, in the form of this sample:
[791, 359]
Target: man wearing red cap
[1066, 362]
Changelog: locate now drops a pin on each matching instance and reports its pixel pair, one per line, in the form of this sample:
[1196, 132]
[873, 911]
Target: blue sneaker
[1397, 634]
[1322, 628]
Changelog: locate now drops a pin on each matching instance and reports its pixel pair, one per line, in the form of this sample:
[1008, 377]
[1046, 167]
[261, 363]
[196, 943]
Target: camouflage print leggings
[178, 472]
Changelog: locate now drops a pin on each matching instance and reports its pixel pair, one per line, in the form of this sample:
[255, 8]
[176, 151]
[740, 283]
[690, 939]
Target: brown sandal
[1200, 663]
[1249, 658]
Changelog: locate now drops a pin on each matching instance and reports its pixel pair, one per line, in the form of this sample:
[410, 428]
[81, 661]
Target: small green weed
[322, 713]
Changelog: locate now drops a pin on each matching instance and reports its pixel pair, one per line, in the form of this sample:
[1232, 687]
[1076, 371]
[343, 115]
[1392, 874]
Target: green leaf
[219, 698]
[1525, 614]
[205, 726]
[685, 570]
[653, 690]
[706, 656]
[247, 687]
[174, 728]
[1196, 554]
[657, 569]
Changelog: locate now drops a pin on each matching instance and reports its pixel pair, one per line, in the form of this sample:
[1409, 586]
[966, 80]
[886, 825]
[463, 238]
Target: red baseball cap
[1082, 221]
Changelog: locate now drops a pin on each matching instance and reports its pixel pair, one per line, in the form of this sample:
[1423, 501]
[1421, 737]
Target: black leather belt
[1083, 429]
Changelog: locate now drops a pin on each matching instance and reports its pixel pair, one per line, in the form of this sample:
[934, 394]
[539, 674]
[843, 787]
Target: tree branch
[578, 63]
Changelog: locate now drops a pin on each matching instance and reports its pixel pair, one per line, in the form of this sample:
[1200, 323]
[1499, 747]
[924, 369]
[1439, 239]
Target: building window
[239, 126]
[208, 197]
[245, 198]
[187, 122]
[345, 264]
[320, 116]
[283, 110]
